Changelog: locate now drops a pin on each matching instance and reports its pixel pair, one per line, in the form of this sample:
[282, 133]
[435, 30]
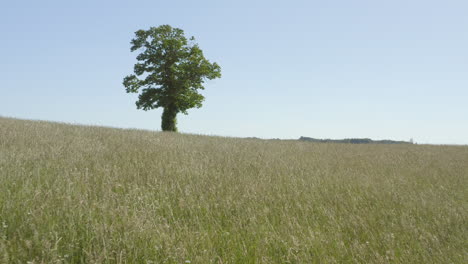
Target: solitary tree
[169, 72]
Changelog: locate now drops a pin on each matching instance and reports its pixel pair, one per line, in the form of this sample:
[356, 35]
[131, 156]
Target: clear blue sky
[326, 69]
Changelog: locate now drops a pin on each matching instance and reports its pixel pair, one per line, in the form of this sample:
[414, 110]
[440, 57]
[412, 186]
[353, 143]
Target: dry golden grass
[78, 194]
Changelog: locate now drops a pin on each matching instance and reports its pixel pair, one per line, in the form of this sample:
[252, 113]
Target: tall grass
[78, 194]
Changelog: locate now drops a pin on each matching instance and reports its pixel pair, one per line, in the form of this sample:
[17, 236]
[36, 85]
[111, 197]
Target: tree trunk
[169, 119]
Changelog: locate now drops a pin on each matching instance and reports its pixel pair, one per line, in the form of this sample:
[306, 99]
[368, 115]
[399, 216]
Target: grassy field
[81, 194]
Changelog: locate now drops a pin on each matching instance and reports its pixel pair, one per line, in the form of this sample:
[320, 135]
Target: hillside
[83, 194]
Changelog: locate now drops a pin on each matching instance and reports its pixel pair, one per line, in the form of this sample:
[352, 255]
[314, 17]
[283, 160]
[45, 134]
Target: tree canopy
[170, 71]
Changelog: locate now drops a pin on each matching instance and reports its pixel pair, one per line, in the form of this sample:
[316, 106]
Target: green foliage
[169, 120]
[170, 72]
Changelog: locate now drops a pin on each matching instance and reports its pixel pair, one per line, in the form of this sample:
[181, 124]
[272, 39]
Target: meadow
[85, 194]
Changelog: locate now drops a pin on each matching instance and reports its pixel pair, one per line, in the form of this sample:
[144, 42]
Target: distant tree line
[354, 141]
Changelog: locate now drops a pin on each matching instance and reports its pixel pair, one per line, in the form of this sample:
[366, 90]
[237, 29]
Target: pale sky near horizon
[324, 69]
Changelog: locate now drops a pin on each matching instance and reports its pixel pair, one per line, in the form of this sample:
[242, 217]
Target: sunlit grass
[77, 194]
